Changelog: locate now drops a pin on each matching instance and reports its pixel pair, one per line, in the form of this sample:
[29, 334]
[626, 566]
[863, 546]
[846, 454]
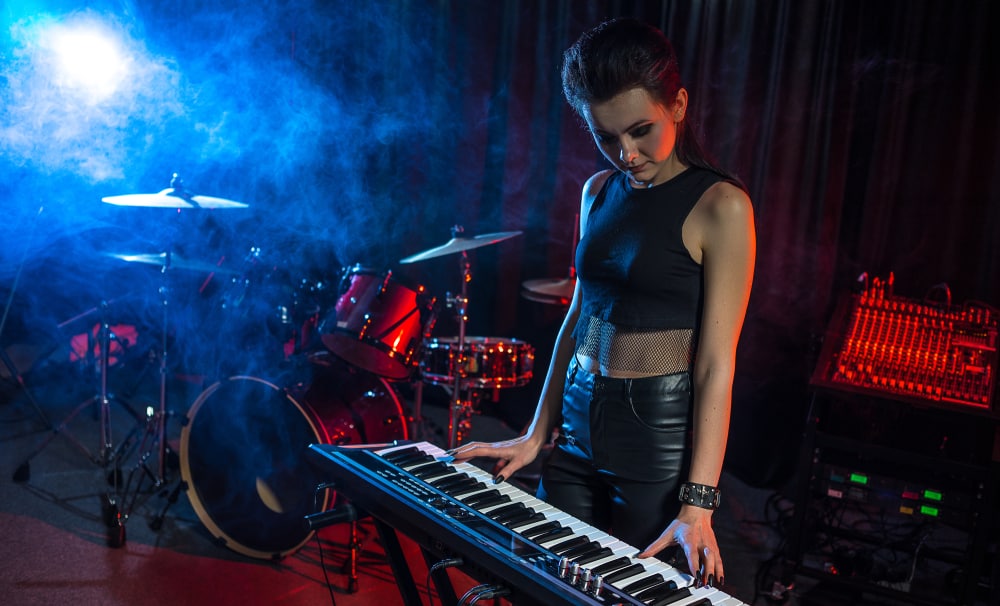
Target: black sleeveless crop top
[632, 264]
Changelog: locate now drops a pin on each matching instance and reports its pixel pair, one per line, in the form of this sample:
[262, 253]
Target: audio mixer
[918, 351]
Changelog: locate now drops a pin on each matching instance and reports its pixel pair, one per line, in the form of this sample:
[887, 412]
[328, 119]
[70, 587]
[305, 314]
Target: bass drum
[243, 452]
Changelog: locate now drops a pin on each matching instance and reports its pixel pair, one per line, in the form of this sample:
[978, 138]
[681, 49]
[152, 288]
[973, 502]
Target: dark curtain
[865, 131]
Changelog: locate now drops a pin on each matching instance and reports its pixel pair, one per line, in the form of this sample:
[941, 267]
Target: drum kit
[241, 451]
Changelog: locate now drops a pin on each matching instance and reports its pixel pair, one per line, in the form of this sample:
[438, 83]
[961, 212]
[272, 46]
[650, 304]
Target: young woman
[640, 382]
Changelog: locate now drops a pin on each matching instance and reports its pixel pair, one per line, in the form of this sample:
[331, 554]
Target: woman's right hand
[511, 455]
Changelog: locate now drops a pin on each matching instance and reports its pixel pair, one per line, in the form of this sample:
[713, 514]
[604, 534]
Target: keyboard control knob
[563, 570]
[596, 584]
[574, 573]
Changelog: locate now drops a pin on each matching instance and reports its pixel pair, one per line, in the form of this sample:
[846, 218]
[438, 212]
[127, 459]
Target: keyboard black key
[431, 471]
[582, 551]
[671, 598]
[508, 511]
[613, 565]
[624, 573]
[403, 453]
[644, 583]
[465, 489]
[564, 546]
[413, 459]
[537, 531]
[487, 499]
[600, 554]
[446, 482]
[429, 466]
[474, 498]
[655, 593]
[518, 523]
[552, 535]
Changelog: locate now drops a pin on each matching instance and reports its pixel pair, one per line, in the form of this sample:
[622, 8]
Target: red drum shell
[378, 323]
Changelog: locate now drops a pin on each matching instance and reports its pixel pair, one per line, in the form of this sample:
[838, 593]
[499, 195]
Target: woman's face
[637, 134]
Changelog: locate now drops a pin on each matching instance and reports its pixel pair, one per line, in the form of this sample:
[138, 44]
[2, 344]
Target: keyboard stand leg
[442, 582]
[351, 565]
[397, 561]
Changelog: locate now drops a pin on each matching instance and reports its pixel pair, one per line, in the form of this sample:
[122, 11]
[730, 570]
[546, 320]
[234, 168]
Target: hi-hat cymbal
[172, 198]
[548, 300]
[559, 289]
[459, 244]
[172, 261]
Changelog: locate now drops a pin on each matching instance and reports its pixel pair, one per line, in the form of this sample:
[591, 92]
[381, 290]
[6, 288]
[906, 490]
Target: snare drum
[378, 323]
[489, 362]
[243, 450]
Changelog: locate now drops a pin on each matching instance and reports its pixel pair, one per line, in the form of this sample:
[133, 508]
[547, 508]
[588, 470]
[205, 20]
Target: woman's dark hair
[619, 55]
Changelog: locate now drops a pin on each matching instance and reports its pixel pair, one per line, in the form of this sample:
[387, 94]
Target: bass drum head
[243, 452]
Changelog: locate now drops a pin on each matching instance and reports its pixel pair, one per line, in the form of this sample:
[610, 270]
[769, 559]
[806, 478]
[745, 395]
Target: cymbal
[172, 198]
[459, 244]
[551, 288]
[549, 300]
[175, 262]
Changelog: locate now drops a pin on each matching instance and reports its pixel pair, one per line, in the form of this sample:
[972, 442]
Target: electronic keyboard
[524, 549]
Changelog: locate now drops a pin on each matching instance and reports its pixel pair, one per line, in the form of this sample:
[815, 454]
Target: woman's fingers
[510, 455]
[705, 565]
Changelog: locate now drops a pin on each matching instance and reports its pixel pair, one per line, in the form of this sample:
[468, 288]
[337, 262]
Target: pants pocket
[644, 435]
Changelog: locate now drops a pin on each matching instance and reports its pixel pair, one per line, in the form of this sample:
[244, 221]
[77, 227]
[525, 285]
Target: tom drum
[378, 323]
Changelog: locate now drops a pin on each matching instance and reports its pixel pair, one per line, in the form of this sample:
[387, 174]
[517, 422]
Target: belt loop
[572, 370]
[628, 389]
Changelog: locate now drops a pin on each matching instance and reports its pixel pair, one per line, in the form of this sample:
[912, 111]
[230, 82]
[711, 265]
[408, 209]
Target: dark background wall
[362, 132]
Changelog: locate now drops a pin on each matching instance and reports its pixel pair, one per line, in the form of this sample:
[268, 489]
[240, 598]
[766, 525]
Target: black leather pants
[623, 450]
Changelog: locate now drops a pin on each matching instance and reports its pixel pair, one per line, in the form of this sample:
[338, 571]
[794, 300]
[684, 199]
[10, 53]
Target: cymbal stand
[154, 435]
[460, 409]
[108, 453]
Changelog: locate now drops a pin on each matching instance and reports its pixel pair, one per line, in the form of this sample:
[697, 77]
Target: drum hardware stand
[18, 379]
[108, 453]
[418, 424]
[154, 437]
[460, 409]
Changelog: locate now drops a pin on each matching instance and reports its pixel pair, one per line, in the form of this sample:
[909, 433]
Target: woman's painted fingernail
[722, 581]
[498, 479]
[711, 580]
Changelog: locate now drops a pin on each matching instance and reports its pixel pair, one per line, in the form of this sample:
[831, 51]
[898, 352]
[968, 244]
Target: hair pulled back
[620, 55]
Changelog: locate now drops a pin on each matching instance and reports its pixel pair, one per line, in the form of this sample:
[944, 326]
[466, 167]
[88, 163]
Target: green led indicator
[927, 510]
[858, 478]
[932, 495]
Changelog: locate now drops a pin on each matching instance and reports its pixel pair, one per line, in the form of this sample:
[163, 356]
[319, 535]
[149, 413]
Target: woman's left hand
[692, 530]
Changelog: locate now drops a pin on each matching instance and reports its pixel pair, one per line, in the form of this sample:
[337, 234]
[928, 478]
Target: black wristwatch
[700, 495]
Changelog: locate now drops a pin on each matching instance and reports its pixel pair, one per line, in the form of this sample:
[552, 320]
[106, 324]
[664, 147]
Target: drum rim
[407, 364]
[477, 340]
[192, 492]
[407, 282]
